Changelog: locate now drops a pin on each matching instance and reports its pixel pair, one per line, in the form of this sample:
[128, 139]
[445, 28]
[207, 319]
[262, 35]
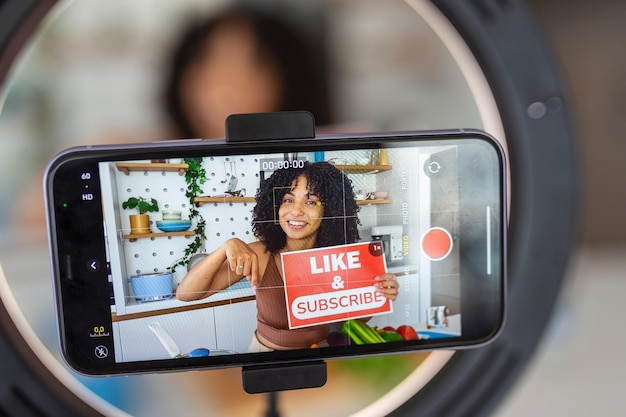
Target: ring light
[509, 54]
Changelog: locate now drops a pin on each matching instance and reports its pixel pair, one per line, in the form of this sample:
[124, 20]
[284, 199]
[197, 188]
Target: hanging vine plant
[195, 177]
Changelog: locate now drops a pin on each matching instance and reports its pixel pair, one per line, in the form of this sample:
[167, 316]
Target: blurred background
[99, 72]
[580, 363]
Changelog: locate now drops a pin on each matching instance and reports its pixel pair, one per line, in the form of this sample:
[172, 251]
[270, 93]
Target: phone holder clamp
[271, 378]
[258, 127]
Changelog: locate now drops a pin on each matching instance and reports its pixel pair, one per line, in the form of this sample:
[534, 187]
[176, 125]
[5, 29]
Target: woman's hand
[242, 260]
[387, 285]
[232, 261]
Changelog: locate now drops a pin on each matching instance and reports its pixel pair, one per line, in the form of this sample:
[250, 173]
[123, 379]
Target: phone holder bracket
[255, 127]
[258, 127]
[272, 378]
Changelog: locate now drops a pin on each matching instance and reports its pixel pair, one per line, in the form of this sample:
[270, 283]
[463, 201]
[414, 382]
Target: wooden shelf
[179, 308]
[363, 169]
[133, 238]
[373, 202]
[223, 200]
[127, 167]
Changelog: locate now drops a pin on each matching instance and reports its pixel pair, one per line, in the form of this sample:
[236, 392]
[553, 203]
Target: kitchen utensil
[173, 349]
[152, 286]
[237, 193]
[232, 182]
[199, 353]
[230, 177]
[198, 256]
[393, 248]
[171, 346]
[193, 261]
[166, 340]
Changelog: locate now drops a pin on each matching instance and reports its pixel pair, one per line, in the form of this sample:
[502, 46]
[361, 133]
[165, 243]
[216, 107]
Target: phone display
[196, 253]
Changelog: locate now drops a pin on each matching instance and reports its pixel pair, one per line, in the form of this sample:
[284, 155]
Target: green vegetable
[390, 336]
[360, 333]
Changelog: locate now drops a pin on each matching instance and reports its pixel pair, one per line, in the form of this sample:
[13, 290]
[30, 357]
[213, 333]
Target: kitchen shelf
[202, 200]
[133, 238]
[127, 167]
[373, 202]
[363, 169]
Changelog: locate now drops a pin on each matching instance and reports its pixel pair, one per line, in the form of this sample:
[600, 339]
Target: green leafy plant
[195, 177]
[143, 205]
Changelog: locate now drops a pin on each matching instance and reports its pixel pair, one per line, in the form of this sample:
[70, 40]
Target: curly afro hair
[330, 185]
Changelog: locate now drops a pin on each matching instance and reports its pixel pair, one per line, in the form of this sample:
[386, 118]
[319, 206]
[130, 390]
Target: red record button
[436, 243]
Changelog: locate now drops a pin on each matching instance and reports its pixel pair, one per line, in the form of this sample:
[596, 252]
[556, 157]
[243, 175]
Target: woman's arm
[232, 261]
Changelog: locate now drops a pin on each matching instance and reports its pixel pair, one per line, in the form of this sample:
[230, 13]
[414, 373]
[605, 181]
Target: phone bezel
[473, 335]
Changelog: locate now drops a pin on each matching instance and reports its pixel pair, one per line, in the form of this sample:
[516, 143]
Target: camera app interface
[236, 254]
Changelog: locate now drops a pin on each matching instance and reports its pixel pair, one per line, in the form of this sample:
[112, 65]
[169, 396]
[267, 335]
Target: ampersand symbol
[337, 283]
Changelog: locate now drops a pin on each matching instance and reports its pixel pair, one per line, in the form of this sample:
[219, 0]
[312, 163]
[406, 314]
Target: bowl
[173, 225]
[171, 215]
[380, 195]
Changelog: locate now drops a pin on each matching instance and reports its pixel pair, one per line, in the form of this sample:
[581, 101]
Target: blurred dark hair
[331, 186]
[301, 65]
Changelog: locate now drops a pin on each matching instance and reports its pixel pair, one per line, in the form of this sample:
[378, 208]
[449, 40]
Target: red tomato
[407, 332]
[389, 329]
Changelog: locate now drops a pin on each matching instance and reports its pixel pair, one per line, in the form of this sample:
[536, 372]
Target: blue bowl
[173, 225]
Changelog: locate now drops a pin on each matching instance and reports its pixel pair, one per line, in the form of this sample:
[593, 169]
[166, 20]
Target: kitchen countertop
[238, 292]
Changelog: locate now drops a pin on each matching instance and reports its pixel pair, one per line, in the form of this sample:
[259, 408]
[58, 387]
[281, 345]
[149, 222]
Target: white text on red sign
[335, 262]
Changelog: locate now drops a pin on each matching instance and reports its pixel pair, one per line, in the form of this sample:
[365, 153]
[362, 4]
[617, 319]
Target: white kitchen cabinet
[235, 324]
[190, 330]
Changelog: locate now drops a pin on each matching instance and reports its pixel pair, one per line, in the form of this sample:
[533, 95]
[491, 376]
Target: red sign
[333, 284]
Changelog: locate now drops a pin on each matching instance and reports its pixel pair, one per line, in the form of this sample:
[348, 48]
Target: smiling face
[300, 215]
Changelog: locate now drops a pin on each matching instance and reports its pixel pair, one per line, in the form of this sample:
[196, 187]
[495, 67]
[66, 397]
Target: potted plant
[140, 222]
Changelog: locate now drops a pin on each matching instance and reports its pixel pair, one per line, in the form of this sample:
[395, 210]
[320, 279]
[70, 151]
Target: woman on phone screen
[297, 209]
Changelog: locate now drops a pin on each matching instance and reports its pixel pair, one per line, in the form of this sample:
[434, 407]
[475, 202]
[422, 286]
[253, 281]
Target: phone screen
[199, 254]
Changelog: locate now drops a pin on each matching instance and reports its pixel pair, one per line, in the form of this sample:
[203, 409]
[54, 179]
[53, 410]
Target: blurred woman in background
[242, 61]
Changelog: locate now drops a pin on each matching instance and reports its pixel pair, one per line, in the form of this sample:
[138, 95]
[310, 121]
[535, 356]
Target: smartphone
[361, 245]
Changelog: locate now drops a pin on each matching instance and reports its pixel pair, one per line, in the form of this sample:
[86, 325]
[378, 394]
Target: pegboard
[223, 220]
[228, 220]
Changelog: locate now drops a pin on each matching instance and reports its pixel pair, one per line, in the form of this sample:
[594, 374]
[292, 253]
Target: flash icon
[101, 352]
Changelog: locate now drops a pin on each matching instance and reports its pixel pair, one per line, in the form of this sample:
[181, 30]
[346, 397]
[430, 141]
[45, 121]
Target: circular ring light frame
[520, 97]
